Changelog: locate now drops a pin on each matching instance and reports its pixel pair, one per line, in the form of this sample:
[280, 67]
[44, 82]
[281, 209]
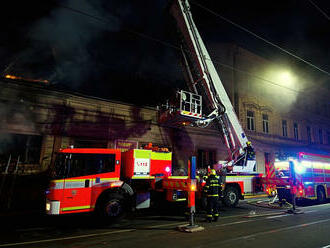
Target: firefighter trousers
[212, 207]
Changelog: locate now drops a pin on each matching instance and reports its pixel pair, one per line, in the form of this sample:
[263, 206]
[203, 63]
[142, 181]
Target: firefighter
[212, 190]
[250, 154]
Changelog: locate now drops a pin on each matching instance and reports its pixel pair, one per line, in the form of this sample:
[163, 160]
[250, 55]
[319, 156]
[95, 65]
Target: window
[284, 128]
[205, 158]
[295, 131]
[26, 147]
[320, 136]
[89, 164]
[309, 135]
[328, 137]
[250, 120]
[265, 123]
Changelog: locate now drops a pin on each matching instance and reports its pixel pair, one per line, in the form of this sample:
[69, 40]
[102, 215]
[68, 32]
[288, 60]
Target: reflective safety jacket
[213, 186]
[250, 153]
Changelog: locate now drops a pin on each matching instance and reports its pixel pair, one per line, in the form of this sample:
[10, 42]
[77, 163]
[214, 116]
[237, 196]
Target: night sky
[126, 53]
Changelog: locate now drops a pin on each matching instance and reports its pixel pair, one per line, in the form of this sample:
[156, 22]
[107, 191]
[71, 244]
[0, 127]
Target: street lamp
[286, 78]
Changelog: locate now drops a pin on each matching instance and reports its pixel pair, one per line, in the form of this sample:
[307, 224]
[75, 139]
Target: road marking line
[276, 230]
[278, 216]
[310, 211]
[170, 224]
[65, 238]
[261, 215]
[327, 246]
[234, 223]
[87, 235]
[283, 215]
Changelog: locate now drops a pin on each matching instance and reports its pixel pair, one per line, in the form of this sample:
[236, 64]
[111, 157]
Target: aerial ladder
[204, 83]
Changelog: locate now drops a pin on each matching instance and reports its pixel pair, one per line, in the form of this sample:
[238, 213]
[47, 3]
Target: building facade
[283, 110]
[280, 118]
[37, 121]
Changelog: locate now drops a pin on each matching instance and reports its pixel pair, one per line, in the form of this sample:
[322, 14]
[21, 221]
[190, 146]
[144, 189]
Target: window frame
[295, 131]
[309, 134]
[321, 136]
[265, 123]
[250, 121]
[284, 128]
[88, 167]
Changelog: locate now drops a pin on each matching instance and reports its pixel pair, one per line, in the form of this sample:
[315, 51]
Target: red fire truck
[306, 177]
[111, 182]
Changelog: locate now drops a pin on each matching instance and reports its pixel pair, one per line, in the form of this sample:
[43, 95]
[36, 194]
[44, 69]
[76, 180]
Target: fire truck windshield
[282, 168]
[81, 164]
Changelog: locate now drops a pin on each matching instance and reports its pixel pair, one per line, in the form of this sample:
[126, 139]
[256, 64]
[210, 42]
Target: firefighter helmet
[248, 143]
[212, 172]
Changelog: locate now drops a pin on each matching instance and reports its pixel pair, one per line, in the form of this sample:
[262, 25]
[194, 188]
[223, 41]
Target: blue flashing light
[299, 168]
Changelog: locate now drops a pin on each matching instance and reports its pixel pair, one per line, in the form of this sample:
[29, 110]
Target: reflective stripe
[79, 183]
[143, 177]
[74, 184]
[83, 179]
[213, 195]
[216, 215]
[209, 215]
[181, 199]
[178, 177]
[240, 176]
[142, 153]
[215, 185]
[76, 208]
[167, 156]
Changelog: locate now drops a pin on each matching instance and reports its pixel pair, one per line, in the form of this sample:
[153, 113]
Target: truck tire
[112, 207]
[231, 196]
[320, 195]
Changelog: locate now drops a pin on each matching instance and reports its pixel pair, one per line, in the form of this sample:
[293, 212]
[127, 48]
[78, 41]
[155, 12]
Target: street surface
[252, 224]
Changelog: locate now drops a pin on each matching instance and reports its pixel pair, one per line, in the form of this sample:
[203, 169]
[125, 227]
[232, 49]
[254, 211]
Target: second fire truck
[306, 176]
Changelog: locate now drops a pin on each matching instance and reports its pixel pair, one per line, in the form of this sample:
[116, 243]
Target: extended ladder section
[204, 80]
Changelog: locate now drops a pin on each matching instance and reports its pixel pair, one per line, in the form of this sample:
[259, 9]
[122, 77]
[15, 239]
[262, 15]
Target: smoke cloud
[68, 35]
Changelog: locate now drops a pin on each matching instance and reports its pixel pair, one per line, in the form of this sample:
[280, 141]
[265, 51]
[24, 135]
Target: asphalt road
[249, 225]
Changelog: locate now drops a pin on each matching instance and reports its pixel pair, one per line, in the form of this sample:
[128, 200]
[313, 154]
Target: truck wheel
[112, 206]
[320, 195]
[231, 197]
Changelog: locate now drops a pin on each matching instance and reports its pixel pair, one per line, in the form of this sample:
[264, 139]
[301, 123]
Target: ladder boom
[205, 80]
